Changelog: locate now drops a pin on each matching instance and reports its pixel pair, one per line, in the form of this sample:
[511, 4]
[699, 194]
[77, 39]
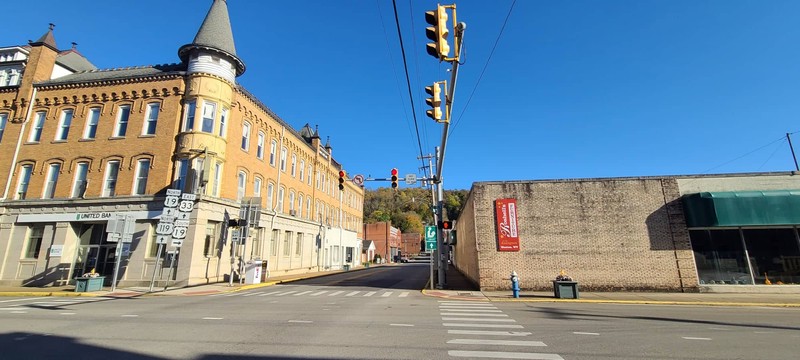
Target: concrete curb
[45, 293]
[650, 302]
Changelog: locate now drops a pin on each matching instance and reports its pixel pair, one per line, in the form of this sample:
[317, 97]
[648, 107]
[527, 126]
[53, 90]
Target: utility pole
[796, 168]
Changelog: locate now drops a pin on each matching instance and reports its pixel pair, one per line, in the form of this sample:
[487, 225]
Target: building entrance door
[94, 252]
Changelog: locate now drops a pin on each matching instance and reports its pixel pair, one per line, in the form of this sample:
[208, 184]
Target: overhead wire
[782, 138]
[416, 63]
[486, 65]
[408, 81]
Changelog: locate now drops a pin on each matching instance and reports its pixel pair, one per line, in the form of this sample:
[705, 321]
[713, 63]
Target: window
[318, 178]
[223, 122]
[257, 187]
[242, 185]
[142, 170]
[110, 182]
[63, 125]
[302, 170]
[210, 246]
[280, 199]
[188, 123]
[52, 181]
[273, 146]
[182, 171]
[270, 189]
[209, 113]
[283, 159]
[217, 178]
[35, 235]
[287, 245]
[38, 125]
[24, 180]
[245, 136]
[260, 146]
[309, 174]
[121, 126]
[276, 234]
[294, 165]
[291, 201]
[153, 249]
[298, 245]
[308, 207]
[91, 123]
[3, 118]
[151, 119]
[79, 185]
[300, 205]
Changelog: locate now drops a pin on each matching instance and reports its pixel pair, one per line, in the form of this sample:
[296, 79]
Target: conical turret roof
[47, 39]
[215, 34]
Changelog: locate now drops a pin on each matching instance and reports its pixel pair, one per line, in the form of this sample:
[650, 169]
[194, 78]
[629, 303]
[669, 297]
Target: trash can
[252, 272]
[86, 284]
[346, 267]
[565, 289]
[366, 264]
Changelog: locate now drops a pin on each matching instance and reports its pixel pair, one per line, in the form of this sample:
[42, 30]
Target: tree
[409, 209]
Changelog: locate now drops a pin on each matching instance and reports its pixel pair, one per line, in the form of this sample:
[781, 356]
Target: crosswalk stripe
[404, 294]
[472, 310]
[269, 293]
[251, 294]
[472, 314]
[509, 326]
[386, 294]
[496, 342]
[504, 355]
[335, 293]
[489, 332]
[318, 293]
[286, 293]
[303, 293]
[353, 293]
[370, 293]
[476, 319]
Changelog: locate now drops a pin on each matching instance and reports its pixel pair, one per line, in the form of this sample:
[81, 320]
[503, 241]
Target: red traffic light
[394, 171]
[342, 174]
[446, 225]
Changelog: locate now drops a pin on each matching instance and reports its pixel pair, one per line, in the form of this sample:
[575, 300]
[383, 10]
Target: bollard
[515, 284]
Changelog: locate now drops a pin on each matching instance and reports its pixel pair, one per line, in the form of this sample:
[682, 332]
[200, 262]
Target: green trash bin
[86, 284]
[346, 267]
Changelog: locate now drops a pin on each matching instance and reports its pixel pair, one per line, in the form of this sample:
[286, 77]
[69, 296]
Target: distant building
[411, 244]
[83, 145]
[670, 233]
[386, 237]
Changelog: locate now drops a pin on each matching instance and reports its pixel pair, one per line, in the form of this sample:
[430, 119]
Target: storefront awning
[742, 208]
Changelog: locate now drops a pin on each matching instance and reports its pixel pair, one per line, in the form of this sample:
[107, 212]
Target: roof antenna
[74, 45]
[52, 26]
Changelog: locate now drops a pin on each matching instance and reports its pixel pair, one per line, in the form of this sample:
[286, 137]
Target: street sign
[184, 223]
[430, 237]
[430, 245]
[171, 201]
[186, 206]
[173, 192]
[179, 232]
[411, 179]
[177, 242]
[164, 228]
[161, 239]
[358, 179]
[127, 238]
[170, 212]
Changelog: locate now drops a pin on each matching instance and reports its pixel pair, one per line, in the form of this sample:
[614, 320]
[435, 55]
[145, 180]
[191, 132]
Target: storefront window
[719, 255]
[774, 255]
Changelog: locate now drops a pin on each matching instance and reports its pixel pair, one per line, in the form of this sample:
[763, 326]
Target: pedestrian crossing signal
[446, 225]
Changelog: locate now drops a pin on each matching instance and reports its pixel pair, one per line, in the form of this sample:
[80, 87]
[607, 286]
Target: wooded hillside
[409, 209]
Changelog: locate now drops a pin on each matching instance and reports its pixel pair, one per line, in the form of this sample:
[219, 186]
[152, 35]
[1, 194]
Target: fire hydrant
[515, 284]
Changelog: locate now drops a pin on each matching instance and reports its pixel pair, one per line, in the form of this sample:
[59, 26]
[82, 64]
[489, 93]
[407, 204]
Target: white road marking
[496, 342]
[269, 293]
[476, 319]
[509, 326]
[131, 316]
[301, 321]
[470, 310]
[68, 313]
[318, 293]
[212, 318]
[717, 328]
[11, 308]
[370, 293]
[464, 302]
[404, 294]
[488, 332]
[25, 299]
[386, 294]
[694, 338]
[353, 293]
[504, 355]
[251, 294]
[286, 293]
[763, 332]
[584, 333]
[19, 312]
[472, 314]
[335, 293]
[303, 293]
[401, 324]
[469, 306]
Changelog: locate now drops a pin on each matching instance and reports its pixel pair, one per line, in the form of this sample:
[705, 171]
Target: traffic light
[342, 176]
[446, 225]
[439, 48]
[394, 178]
[435, 101]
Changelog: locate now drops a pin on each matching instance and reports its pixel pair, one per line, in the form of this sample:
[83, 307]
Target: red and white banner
[507, 234]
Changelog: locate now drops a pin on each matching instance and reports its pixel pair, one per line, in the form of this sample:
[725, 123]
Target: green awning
[742, 208]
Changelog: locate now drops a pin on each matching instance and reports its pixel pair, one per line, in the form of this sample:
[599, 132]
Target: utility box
[252, 272]
[86, 284]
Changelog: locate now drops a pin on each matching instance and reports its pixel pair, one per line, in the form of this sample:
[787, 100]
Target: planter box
[85, 284]
[565, 289]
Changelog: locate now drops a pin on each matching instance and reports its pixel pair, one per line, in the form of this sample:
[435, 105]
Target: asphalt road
[381, 314]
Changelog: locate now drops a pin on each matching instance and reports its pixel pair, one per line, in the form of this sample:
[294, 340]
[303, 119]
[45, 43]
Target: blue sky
[574, 89]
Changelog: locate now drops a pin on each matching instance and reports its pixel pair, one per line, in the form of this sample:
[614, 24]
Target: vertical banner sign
[507, 234]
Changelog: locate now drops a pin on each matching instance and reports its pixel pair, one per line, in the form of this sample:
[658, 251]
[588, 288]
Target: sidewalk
[458, 289]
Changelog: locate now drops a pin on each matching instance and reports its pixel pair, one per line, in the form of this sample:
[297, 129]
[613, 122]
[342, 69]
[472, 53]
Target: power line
[782, 138]
[408, 81]
[484, 67]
